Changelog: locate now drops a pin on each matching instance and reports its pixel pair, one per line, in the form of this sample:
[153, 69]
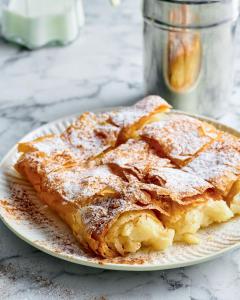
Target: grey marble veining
[102, 68]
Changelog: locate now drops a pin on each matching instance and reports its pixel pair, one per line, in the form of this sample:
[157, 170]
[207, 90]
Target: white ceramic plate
[33, 222]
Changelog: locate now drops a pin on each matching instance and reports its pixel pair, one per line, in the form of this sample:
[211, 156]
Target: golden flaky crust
[179, 137]
[110, 173]
[86, 138]
[219, 163]
[135, 157]
[91, 134]
[183, 188]
[80, 184]
[132, 118]
[138, 159]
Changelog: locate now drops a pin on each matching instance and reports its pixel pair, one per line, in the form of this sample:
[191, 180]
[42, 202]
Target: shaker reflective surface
[189, 52]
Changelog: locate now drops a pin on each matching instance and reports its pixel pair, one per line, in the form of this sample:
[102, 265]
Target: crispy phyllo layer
[131, 119]
[112, 227]
[48, 145]
[70, 184]
[86, 138]
[219, 164]
[179, 137]
[183, 188]
[135, 157]
[138, 159]
[91, 134]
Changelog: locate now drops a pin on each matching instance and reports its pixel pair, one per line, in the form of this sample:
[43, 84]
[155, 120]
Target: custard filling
[186, 223]
[138, 230]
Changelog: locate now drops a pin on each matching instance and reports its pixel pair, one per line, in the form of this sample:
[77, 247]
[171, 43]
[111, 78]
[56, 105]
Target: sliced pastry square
[135, 157]
[219, 164]
[179, 137]
[91, 134]
[76, 184]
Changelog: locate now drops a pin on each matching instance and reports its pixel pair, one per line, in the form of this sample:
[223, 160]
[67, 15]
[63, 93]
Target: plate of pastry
[141, 188]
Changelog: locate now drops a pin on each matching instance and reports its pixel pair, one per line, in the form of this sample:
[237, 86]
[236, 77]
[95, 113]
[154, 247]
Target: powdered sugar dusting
[89, 136]
[180, 184]
[138, 158]
[49, 145]
[219, 164]
[98, 215]
[179, 137]
[91, 133]
[76, 184]
[129, 115]
[135, 156]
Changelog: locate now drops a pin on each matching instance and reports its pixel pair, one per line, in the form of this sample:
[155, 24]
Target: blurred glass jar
[188, 52]
[36, 23]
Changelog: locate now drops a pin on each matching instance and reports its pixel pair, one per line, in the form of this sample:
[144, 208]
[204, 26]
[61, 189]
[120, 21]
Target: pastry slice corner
[131, 119]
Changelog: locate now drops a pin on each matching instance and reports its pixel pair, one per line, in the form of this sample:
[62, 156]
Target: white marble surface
[102, 68]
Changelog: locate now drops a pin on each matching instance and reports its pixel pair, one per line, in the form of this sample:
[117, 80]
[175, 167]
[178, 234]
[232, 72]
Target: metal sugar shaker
[189, 51]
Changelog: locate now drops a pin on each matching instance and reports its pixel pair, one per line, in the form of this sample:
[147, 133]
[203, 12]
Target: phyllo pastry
[219, 164]
[131, 119]
[71, 182]
[93, 134]
[135, 157]
[86, 138]
[179, 137]
[108, 216]
[190, 201]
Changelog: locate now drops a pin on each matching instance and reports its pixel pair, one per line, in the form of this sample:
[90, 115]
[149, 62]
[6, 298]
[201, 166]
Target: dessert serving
[135, 178]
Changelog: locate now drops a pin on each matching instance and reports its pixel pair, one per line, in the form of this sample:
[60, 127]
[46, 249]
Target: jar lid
[191, 13]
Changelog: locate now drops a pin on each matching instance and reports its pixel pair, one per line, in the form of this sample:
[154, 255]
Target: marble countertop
[102, 68]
